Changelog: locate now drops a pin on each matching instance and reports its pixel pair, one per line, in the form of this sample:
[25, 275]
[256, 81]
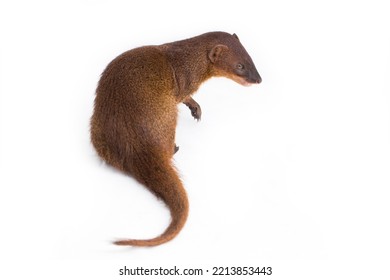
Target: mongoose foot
[196, 112]
[175, 149]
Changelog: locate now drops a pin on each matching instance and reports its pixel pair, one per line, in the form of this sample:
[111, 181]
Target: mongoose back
[135, 111]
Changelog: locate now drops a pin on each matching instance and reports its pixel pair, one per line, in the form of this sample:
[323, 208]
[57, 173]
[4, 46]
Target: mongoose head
[230, 59]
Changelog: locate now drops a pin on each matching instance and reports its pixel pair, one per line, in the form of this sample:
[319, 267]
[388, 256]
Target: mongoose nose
[258, 80]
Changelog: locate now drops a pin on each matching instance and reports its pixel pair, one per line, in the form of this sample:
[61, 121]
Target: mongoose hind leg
[196, 112]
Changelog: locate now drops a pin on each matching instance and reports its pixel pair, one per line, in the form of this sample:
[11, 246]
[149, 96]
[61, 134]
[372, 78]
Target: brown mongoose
[135, 111]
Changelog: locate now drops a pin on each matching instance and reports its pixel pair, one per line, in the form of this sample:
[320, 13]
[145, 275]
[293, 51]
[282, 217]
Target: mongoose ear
[235, 36]
[216, 51]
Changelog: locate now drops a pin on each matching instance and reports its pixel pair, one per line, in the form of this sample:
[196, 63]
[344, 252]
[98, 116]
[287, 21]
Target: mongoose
[135, 111]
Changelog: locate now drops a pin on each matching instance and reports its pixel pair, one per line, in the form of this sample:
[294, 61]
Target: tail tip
[122, 243]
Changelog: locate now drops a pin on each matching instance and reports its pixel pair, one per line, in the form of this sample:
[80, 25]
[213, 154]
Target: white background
[293, 172]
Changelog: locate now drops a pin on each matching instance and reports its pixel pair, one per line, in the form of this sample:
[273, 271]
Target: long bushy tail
[159, 176]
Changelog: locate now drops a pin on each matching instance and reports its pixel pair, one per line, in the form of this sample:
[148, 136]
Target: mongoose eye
[240, 66]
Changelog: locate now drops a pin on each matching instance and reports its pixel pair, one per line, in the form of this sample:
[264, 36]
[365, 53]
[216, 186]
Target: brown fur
[135, 113]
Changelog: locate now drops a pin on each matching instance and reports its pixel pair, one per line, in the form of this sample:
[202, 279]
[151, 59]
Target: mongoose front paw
[196, 112]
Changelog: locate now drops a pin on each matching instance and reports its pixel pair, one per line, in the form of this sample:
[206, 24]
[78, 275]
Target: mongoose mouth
[246, 82]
